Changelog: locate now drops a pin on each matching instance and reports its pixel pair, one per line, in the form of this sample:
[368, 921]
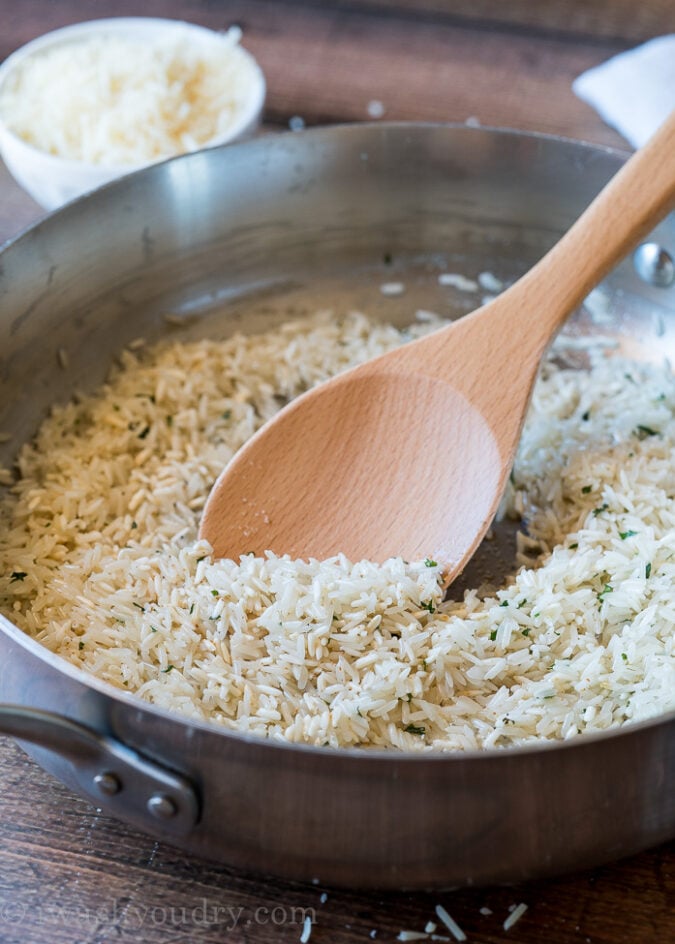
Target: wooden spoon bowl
[408, 454]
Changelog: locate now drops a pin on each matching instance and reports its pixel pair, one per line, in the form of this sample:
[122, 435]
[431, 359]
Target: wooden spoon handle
[627, 209]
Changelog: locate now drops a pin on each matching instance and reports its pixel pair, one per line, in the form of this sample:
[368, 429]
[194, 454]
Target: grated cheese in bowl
[89, 102]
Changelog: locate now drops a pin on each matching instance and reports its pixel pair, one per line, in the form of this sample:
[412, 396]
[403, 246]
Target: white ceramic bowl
[53, 181]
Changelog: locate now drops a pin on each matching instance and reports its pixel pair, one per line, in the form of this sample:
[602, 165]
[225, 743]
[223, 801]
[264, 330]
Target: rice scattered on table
[101, 564]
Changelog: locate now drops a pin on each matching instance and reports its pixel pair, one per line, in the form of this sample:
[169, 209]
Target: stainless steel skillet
[244, 237]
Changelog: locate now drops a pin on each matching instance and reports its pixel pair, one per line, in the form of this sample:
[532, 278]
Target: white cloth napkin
[634, 91]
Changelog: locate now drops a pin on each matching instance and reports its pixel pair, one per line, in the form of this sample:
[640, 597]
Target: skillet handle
[112, 776]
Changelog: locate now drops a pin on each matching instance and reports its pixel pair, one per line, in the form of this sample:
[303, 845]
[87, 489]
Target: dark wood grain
[69, 875]
[580, 19]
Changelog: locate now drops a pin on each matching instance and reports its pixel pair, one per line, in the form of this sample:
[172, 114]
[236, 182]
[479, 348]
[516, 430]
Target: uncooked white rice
[306, 930]
[516, 914]
[101, 564]
[450, 923]
[392, 288]
[490, 282]
[458, 281]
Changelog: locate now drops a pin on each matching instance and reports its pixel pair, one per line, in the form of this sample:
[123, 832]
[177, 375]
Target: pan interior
[246, 238]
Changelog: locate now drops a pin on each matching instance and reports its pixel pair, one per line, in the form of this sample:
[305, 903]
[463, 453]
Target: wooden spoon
[408, 454]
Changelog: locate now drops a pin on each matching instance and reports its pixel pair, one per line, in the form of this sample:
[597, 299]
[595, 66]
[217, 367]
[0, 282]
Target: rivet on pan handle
[113, 776]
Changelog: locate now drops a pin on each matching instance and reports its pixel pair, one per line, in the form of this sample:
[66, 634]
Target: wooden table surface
[69, 875]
